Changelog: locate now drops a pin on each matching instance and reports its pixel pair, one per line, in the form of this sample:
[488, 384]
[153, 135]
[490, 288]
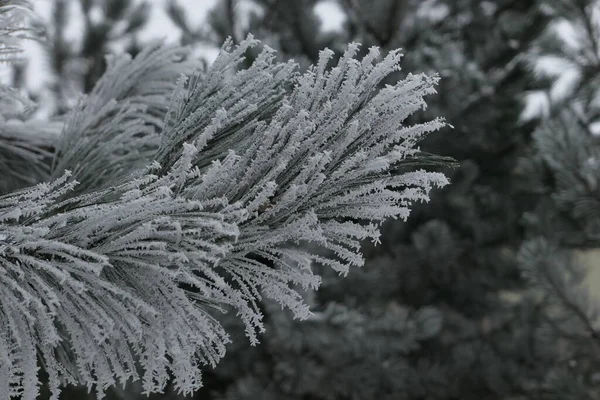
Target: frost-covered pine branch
[138, 99]
[109, 271]
[115, 130]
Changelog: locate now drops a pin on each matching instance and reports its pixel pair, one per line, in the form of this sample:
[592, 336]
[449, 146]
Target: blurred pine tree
[77, 60]
[488, 263]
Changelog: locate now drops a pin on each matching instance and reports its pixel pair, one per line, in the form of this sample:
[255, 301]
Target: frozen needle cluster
[161, 209]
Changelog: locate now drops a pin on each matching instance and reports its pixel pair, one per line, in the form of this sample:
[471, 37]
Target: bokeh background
[487, 292]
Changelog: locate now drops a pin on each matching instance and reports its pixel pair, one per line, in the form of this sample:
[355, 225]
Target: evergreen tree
[481, 294]
[76, 64]
[478, 296]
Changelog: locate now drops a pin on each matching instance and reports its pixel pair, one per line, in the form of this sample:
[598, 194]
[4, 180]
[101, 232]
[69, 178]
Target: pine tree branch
[251, 165]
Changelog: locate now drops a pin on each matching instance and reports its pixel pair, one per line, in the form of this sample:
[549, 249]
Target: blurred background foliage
[485, 293]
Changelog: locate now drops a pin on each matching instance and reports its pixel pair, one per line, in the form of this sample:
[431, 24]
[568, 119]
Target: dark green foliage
[565, 169]
[467, 253]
